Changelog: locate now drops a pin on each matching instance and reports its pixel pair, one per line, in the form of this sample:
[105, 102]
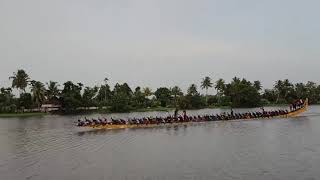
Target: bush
[265, 102]
[225, 101]
[212, 100]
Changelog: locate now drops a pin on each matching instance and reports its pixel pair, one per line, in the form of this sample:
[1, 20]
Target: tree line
[73, 97]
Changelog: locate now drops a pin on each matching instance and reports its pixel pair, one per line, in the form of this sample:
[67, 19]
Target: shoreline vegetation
[73, 98]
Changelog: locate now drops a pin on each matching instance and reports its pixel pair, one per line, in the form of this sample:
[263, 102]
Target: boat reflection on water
[174, 127]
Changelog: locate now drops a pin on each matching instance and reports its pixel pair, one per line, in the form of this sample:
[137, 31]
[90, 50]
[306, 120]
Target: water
[52, 148]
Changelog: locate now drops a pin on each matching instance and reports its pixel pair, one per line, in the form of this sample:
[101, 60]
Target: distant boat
[290, 114]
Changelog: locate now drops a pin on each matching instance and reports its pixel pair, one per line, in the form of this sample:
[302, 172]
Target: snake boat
[292, 113]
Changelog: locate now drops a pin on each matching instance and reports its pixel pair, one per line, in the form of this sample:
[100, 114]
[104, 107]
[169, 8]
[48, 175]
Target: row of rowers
[183, 118]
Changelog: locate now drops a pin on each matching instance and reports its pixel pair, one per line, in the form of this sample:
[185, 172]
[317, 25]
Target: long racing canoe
[291, 114]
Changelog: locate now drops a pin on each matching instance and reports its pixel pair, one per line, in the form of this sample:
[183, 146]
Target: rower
[185, 115]
[80, 123]
[176, 113]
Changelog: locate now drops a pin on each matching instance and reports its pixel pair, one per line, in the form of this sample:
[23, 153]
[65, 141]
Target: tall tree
[147, 92]
[194, 98]
[25, 101]
[257, 85]
[206, 84]
[163, 95]
[20, 80]
[270, 95]
[88, 97]
[220, 86]
[312, 92]
[121, 98]
[279, 88]
[104, 95]
[105, 83]
[192, 90]
[71, 96]
[38, 92]
[53, 91]
[7, 103]
[176, 93]
[283, 88]
[139, 99]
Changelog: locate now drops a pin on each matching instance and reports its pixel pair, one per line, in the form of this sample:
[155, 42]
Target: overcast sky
[160, 42]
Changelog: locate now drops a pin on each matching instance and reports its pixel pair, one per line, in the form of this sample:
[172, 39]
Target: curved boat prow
[302, 110]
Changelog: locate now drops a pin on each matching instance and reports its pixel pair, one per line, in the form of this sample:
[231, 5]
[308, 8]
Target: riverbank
[8, 115]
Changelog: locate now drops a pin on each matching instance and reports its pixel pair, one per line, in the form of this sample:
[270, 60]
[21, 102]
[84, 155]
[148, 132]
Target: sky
[160, 42]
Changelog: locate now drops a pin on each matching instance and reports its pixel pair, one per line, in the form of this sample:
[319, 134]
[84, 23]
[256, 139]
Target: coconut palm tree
[20, 80]
[53, 91]
[38, 92]
[176, 92]
[106, 83]
[192, 90]
[257, 85]
[206, 84]
[147, 92]
[220, 86]
[279, 88]
[283, 88]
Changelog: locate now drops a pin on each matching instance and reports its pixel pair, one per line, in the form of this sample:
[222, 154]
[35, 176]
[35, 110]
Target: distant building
[50, 107]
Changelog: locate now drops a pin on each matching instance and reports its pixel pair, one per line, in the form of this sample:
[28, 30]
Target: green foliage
[52, 92]
[121, 99]
[220, 86]
[243, 93]
[196, 101]
[163, 95]
[71, 97]
[7, 103]
[206, 84]
[270, 95]
[139, 99]
[212, 100]
[20, 80]
[176, 93]
[257, 85]
[88, 97]
[184, 102]
[225, 101]
[265, 102]
[284, 89]
[285, 92]
[192, 90]
[192, 100]
[38, 91]
[25, 101]
[104, 95]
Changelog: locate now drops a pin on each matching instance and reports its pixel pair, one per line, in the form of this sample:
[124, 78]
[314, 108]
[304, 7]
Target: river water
[51, 148]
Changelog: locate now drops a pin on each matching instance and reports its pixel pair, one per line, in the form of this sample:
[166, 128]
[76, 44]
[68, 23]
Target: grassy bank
[22, 114]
